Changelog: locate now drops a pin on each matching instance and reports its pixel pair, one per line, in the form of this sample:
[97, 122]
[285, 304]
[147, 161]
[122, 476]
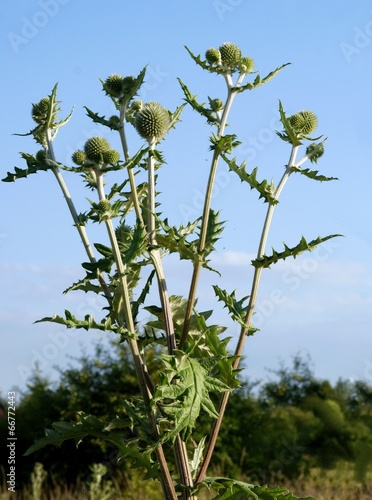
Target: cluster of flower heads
[229, 57]
[97, 151]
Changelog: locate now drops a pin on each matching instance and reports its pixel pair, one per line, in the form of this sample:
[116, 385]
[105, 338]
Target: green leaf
[183, 392]
[290, 134]
[313, 174]
[33, 166]
[141, 299]
[196, 106]
[303, 246]
[258, 82]
[230, 489]
[70, 321]
[236, 309]
[174, 239]
[100, 119]
[224, 144]
[214, 230]
[265, 189]
[197, 458]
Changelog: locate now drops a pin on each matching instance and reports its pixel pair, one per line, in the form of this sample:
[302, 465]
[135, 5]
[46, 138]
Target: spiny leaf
[206, 65]
[290, 134]
[258, 82]
[70, 321]
[175, 116]
[174, 239]
[214, 230]
[265, 189]
[33, 166]
[100, 119]
[183, 391]
[137, 244]
[313, 174]
[199, 108]
[303, 246]
[197, 457]
[236, 309]
[224, 144]
[141, 299]
[230, 489]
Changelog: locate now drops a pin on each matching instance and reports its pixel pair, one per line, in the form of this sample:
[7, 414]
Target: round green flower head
[152, 121]
[213, 56]
[95, 148]
[316, 151]
[104, 206]
[40, 110]
[111, 156]
[246, 64]
[41, 156]
[230, 54]
[304, 122]
[216, 104]
[128, 84]
[114, 122]
[124, 234]
[79, 157]
[114, 85]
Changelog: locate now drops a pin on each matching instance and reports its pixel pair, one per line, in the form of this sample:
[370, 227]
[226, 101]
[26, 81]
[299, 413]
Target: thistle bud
[246, 64]
[104, 206]
[123, 234]
[304, 122]
[230, 54]
[216, 104]
[39, 110]
[114, 85]
[213, 56]
[315, 151]
[111, 156]
[41, 156]
[79, 157]
[95, 148]
[152, 121]
[114, 122]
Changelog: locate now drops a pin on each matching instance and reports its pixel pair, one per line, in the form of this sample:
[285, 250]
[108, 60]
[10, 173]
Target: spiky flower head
[95, 147]
[304, 122]
[114, 122]
[246, 64]
[41, 155]
[315, 151]
[39, 110]
[124, 234]
[213, 56]
[152, 121]
[114, 85]
[128, 84]
[111, 156]
[230, 54]
[216, 104]
[104, 206]
[79, 157]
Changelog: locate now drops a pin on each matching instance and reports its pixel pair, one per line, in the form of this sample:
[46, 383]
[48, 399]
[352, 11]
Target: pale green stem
[133, 344]
[250, 308]
[205, 217]
[80, 228]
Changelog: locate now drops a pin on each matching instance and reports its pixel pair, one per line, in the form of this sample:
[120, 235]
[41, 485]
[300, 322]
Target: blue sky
[321, 303]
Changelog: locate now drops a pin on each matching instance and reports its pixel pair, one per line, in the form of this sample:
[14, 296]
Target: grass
[334, 484]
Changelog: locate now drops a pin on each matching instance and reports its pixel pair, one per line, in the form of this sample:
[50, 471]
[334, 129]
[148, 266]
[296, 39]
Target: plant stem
[80, 228]
[250, 309]
[140, 368]
[205, 217]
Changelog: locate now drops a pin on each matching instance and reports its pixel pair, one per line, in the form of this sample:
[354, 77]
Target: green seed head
[114, 85]
[128, 84]
[114, 122]
[111, 156]
[104, 206]
[230, 54]
[41, 156]
[152, 121]
[304, 122]
[316, 151]
[246, 64]
[124, 234]
[95, 148]
[40, 110]
[79, 157]
[213, 56]
[216, 104]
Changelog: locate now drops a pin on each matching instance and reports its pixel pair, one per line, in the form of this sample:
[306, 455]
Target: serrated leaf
[141, 299]
[33, 166]
[224, 144]
[265, 189]
[99, 119]
[214, 230]
[313, 174]
[196, 106]
[183, 392]
[290, 134]
[303, 246]
[197, 457]
[258, 81]
[230, 489]
[236, 309]
[174, 239]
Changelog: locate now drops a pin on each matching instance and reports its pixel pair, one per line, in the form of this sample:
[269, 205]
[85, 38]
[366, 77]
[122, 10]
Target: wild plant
[195, 364]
